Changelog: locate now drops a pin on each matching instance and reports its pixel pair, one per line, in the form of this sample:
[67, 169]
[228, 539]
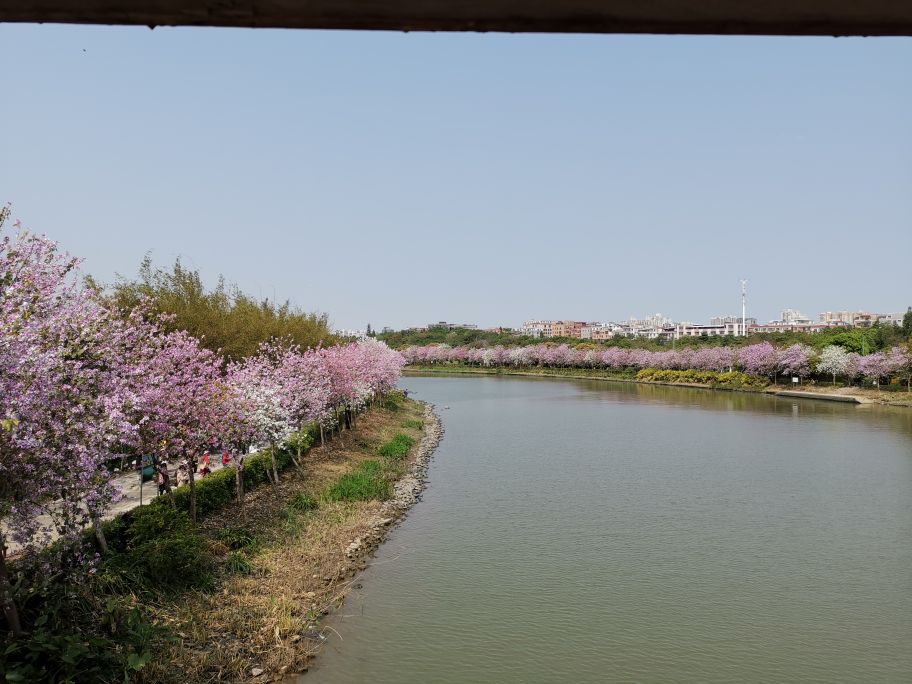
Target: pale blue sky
[398, 179]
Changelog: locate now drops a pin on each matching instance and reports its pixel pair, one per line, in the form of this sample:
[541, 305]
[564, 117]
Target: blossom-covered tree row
[80, 383]
[763, 360]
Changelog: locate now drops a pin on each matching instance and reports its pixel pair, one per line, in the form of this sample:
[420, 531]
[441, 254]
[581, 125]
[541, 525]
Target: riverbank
[297, 550]
[857, 395]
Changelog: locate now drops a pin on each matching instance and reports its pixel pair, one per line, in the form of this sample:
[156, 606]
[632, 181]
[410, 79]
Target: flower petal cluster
[81, 383]
[761, 359]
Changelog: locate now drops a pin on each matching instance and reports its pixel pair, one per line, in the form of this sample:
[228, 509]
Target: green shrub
[167, 563]
[729, 380]
[303, 439]
[161, 551]
[736, 379]
[256, 469]
[214, 491]
[397, 447]
[154, 522]
[236, 538]
[57, 653]
[392, 401]
[237, 563]
[303, 503]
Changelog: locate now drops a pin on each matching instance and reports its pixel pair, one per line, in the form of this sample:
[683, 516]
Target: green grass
[303, 503]
[392, 401]
[236, 538]
[414, 424]
[397, 447]
[237, 563]
[368, 482]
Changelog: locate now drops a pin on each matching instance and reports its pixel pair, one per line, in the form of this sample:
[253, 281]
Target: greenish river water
[584, 531]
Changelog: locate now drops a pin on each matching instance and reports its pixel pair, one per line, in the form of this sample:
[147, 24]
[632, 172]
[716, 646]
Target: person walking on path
[164, 480]
[183, 473]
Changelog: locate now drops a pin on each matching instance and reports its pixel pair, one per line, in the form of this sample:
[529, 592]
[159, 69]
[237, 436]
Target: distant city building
[537, 328]
[354, 334]
[599, 332]
[567, 328]
[779, 326]
[657, 326]
[859, 319]
[555, 328]
[725, 320]
[711, 330]
[654, 321]
[792, 317]
[893, 318]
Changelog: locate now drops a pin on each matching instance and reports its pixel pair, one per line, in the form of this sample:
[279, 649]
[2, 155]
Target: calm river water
[584, 531]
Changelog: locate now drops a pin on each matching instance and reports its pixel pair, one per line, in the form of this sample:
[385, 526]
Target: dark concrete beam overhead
[770, 17]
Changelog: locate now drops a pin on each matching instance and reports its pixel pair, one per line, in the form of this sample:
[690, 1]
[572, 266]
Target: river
[587, 531]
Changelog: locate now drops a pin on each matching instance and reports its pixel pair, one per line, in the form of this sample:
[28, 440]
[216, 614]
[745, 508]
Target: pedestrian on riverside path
[205, 460]
[225, 458]
[164, 480]
[183, 473]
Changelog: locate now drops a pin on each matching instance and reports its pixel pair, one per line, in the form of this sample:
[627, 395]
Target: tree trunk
[192, 492]
[275, 470]
[10, 611]
[99, 534]
[322, 438]
[297, 459]
[239, 481]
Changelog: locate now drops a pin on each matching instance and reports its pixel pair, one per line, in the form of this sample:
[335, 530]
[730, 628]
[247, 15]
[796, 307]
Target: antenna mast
[744, 308]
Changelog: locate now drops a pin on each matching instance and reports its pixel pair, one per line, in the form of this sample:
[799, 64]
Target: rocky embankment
[406, 491]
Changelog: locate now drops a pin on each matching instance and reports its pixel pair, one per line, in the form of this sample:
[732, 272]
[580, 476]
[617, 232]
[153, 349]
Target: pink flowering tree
[875, 367]
[304, 384]
[759, 359]
[179, 401]
[901, 364]
[61, 400]
[796, 361]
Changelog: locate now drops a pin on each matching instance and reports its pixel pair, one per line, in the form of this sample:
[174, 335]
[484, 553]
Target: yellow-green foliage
[224, 318]
[730, 380]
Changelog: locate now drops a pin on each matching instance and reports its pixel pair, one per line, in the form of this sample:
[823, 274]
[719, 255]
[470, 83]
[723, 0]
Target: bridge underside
[744, 17]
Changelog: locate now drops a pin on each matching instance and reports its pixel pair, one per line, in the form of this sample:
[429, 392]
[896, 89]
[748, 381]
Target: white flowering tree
[833, 361]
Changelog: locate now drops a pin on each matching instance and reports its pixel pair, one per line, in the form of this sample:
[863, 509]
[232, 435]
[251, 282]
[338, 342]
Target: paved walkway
[128, 483]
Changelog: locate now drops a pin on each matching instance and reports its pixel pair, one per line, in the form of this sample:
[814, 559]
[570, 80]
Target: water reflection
[590, 531]
[892, 417]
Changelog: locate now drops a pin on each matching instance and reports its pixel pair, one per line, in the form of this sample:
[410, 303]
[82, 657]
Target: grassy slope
[294, 568]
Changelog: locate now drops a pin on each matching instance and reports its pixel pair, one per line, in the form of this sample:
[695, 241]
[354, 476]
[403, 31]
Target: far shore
[851, 394]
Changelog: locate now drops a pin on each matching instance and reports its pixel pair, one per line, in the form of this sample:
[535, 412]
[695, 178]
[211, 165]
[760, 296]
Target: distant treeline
[223, 318]
[860, 340]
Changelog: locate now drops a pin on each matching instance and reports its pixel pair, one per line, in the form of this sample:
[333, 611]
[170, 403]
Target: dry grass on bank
[294, 570]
